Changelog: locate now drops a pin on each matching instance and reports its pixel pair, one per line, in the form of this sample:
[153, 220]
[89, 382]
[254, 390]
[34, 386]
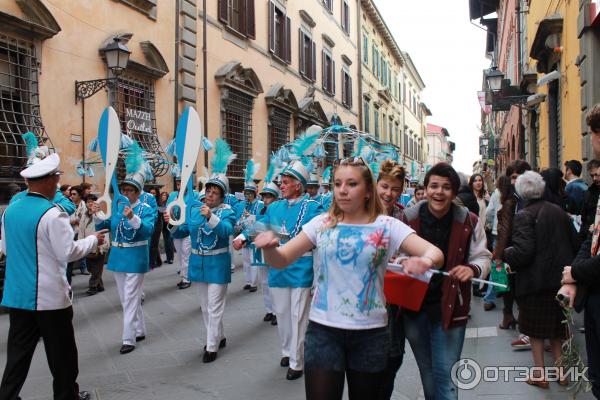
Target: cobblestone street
[168, 364]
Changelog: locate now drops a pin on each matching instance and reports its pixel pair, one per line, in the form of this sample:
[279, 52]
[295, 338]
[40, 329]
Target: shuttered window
[346, 17]
[239, 16]
[328, 4]
[346, 88]
[366, 116]
[328, 69]
[280, 34]
[308, 56]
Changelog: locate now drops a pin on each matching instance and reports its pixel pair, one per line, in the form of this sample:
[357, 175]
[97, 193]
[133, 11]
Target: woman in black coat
[543, 242]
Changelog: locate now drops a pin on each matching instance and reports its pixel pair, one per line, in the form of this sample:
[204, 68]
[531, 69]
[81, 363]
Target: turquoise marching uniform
[257, 254]
[130, 247]
[59, 200]
[147, 198]
[254, 208]
[326, 200]
[21, 221]
[289, 219]
[236, 205]
[318, 198]
[179, 234]
[210, 260]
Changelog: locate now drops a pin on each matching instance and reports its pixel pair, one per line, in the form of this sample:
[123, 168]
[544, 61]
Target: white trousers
[250, 272]
[263, 280]
[291, 306]
[183, 247]
[212, 302]
[130, 287]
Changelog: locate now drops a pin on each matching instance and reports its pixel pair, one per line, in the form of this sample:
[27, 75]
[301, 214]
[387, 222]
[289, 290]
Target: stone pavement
[168, 365]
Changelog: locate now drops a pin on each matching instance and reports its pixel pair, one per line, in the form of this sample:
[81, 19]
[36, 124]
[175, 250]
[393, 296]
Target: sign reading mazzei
[137, 120]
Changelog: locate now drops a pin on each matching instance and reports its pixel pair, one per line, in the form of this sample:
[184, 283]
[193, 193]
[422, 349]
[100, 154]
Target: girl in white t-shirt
[347, 335]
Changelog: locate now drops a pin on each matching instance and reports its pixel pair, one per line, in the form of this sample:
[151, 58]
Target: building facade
[275, 68]
[45, 47]
[390, 87]
[382, 61]
[588, 32]
[537, 113]
[440, 147]
[272, 69]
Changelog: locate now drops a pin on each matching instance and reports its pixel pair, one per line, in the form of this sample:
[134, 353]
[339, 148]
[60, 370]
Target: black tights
[322, 384]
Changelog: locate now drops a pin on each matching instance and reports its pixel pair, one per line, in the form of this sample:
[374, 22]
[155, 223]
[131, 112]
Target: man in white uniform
[37, 239]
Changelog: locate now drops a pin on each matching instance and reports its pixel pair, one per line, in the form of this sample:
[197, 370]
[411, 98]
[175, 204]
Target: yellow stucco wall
[569, 86]
[371, 84]
[254, 54]
[73, 55]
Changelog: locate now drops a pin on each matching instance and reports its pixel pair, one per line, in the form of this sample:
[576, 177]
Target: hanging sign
[137, 120]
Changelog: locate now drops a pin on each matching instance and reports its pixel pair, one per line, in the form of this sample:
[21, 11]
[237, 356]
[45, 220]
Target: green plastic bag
[499, 275]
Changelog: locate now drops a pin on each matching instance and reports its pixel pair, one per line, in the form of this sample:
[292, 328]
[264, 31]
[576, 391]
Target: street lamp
[117, 58]
[494, 79]
[117, 55]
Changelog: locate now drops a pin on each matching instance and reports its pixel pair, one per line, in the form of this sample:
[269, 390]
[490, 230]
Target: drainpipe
[520, 132]
[176, 77]
[204, 78]
[360, 83]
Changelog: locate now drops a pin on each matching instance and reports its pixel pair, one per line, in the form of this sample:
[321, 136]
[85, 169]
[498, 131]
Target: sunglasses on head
[350, 161]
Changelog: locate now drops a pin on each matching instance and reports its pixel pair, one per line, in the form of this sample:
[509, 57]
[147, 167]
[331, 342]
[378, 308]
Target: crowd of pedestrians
[320, 258]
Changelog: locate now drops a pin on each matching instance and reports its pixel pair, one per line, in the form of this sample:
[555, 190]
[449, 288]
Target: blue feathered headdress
[272, 171]
[252, 169]
[31, 143]
[222, 158]
[304, 145]
[134, 159]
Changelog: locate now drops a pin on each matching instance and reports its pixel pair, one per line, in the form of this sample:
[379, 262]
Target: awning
[547, 38]
[481, 8]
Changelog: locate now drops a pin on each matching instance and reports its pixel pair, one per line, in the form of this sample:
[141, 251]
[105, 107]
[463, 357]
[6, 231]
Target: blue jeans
[436, 351]
[490, 294]
[592, 340]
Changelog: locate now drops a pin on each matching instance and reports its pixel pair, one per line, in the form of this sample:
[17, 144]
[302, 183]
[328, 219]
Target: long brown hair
[373, 205]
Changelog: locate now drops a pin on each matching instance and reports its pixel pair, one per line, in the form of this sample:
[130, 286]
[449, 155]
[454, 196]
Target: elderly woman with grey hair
[544, 241]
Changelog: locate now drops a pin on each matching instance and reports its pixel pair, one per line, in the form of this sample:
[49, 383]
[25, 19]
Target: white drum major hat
[40, 162]
[43, 167]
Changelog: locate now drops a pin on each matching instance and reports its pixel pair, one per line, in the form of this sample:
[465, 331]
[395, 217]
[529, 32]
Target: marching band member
[181, 241]
[209, 225]
[252, 208]
[312, 188]
[37, 239]
[269, 193]
[290, 287]
[131, 226]
[327, 195]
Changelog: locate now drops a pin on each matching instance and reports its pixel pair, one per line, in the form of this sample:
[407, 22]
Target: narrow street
[168, 364]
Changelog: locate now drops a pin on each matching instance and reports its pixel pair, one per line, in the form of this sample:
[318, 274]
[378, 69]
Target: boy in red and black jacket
[436, 333]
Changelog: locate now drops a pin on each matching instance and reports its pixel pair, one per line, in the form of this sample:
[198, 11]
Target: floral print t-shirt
[352, 260]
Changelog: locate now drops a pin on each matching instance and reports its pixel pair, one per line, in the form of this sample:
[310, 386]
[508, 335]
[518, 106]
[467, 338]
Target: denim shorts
[344, 349]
